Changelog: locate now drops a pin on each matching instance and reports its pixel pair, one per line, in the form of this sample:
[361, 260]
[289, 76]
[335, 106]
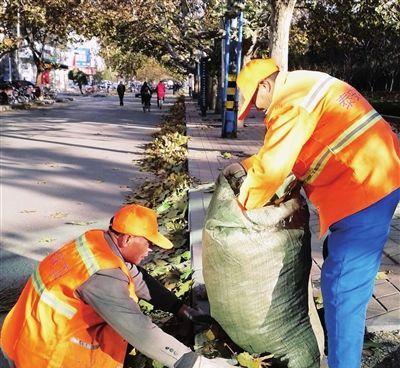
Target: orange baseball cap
[248, 79]
[136, 220]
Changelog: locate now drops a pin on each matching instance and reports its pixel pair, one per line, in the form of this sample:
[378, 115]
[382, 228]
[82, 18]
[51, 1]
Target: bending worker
[79, 308]
[346, 155]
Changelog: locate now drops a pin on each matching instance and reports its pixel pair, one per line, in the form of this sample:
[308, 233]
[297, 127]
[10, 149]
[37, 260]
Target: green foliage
[152, 70]
[168, 195]
[385, 103]
[8, 44]
[122, 62]
[99, 76]
[42, 23]
[174, 33]
[355, 41]
[78, 76]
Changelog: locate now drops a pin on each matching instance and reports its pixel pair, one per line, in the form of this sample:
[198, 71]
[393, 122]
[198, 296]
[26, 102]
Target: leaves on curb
[58, 215]
[226, 155]
[80, 223]
[167, 193]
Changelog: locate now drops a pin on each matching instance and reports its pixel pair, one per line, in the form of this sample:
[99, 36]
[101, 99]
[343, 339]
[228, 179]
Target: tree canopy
[42, 23]
[354, 40]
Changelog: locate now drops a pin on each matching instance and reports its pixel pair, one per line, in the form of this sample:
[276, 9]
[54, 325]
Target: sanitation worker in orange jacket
[79, 309]
[347, 157]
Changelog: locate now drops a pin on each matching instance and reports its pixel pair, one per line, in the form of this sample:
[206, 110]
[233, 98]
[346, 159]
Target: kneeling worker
[80, 307]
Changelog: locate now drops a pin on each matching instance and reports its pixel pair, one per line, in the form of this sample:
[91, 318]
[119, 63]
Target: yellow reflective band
[229, 104]
[51, 300]
[87, 256]
[231, 91]
[232, 77]
[316, 93]
[347, 137]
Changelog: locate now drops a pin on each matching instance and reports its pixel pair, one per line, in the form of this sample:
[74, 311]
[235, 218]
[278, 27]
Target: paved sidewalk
[205, 162]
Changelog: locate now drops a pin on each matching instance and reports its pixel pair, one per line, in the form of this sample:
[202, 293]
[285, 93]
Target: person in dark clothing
[145, 93]
[121, 92]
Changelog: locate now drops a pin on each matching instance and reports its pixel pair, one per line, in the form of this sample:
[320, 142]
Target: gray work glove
[203, 362]
[235, 174]
[198, 317]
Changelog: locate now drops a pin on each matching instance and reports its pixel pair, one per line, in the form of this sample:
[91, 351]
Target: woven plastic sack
[256, 267]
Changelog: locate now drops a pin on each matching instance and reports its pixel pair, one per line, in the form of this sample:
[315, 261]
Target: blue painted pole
[238, 66]
[226, 72]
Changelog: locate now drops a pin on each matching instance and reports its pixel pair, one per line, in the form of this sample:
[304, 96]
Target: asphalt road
[65, 169]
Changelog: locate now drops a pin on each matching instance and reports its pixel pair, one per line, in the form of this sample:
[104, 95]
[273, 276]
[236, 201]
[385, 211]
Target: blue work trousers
[355, 247]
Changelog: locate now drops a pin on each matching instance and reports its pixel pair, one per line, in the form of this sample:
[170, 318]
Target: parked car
[134, 87]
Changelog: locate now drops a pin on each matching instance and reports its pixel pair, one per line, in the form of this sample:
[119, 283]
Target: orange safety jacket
[50, 327]
[332, 139]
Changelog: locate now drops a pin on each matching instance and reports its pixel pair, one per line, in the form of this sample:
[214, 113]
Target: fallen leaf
[318, 300]
[249, 361]
[184, 288]
[80, 223]
[47, 240]
[58, 215]
[209, 335]
[146, 307]
[381, 276]
[226, 155]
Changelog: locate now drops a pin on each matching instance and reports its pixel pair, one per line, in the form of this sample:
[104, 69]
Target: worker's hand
[198, 317]
[203, 362]
[235, 174]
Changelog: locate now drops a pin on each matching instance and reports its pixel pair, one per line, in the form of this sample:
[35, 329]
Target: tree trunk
[214, 94]
[210, 92]
[281, 17]
[39, 73]
[196, 88]
[38, 63]
[218, 102]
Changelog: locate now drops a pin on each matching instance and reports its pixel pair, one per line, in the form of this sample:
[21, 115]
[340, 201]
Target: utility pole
[226, 57]
[17, 50]
[231, 69]
[238, 66]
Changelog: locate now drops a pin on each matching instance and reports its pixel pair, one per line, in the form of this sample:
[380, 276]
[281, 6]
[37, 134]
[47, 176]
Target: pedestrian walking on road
[145, 93]
[80, 306]
[160, 93]
[121, 92]
[347, 158]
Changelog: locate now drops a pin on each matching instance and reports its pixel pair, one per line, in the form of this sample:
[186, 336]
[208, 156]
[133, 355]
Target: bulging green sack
[256, 267]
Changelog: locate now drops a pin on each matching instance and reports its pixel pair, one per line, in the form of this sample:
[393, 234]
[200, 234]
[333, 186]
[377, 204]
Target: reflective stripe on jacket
[332, 139]
[50, 327]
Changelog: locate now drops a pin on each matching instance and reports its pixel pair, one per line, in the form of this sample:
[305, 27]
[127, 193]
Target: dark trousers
[121, 100]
